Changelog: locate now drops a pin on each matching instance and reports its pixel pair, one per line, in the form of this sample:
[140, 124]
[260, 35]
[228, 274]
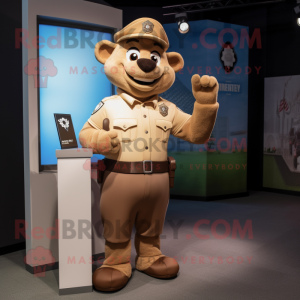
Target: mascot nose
[146, 65]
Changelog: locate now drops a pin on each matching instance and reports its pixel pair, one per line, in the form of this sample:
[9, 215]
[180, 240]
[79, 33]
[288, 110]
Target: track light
[183, 25]
[297, 11]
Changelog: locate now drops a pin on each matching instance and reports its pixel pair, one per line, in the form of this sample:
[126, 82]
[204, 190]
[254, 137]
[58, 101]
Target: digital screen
[70, 81]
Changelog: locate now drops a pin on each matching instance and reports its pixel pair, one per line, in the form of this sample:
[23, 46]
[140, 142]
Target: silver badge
[148, 26]
[163, 109]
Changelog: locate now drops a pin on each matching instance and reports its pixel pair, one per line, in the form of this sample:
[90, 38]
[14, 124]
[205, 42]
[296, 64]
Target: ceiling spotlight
[297, 11]
[183, 25]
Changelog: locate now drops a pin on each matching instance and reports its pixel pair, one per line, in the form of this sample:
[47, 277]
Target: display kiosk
[41, 185]
[74, 215]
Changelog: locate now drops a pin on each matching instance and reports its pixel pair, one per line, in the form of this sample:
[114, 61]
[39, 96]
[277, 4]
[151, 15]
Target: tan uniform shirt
[143, 127]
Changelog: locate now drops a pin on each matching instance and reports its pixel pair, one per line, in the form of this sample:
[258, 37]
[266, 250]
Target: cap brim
[145, 36]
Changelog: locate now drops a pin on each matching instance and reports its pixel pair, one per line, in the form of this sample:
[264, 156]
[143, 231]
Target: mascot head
[138, 62]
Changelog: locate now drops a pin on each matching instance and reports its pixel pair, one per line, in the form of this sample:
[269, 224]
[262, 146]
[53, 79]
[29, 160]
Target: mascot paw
[109, 279]
[164, 267]
[205, 89]
[108, 142]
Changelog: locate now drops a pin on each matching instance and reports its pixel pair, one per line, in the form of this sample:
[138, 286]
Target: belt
[136, 167]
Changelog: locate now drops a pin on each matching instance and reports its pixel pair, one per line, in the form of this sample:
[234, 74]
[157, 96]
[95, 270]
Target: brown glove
[199, 127]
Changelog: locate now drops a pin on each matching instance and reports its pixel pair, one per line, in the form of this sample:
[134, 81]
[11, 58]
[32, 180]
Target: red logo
[40, 68]
[39, 258]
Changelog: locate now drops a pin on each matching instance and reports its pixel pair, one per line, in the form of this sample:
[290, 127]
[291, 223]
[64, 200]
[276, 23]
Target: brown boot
[164, 267]
[109, 279]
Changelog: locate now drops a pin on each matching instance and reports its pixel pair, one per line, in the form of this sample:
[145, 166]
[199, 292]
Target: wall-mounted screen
[69, 80]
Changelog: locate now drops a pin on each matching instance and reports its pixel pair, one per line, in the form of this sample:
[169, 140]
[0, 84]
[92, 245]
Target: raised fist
[205, 89]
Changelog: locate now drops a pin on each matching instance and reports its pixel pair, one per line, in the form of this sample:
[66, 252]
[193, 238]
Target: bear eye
[133, 54]
[155, 57]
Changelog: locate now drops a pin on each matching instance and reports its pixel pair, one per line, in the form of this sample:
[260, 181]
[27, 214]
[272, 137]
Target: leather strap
[172, 168]
[136, 167]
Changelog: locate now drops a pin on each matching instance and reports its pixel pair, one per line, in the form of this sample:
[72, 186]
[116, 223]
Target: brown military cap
[144, 28]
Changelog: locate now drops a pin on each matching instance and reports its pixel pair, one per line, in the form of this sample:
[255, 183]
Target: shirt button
[145, 116]
[146, 147]
[146, 132]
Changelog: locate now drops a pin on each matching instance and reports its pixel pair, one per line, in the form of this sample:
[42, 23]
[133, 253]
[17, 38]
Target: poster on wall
[218, 167]
[281, 169]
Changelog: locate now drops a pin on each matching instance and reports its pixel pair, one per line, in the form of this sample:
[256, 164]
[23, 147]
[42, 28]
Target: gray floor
[273, 273]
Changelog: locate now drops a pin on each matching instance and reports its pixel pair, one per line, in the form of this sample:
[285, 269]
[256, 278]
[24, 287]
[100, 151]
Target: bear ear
[175, 61]
[103, 50]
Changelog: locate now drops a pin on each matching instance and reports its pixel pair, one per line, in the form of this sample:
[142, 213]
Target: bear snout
[146, 65]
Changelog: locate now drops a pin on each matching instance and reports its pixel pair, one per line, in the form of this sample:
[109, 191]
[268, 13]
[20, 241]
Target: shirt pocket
[127, 129]
[163, 129]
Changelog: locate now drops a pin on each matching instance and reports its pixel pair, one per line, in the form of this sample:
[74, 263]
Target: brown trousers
[128, 200]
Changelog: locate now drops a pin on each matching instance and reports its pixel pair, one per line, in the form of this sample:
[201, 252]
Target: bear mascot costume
[131, 129]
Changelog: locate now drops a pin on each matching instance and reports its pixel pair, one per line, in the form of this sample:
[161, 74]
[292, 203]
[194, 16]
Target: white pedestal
[74, 215]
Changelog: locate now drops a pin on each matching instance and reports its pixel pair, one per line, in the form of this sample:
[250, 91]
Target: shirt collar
[132, 101]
